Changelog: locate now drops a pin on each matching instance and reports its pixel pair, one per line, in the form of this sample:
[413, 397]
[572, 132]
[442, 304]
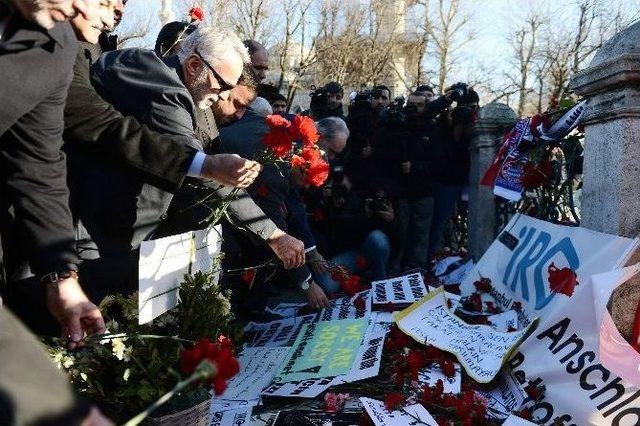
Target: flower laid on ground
[335, 402]
[393, 400]
[562, 280]
[220, 354]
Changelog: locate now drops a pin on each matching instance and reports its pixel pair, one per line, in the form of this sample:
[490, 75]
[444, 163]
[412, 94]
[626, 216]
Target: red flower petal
[562, 280]
[196, 14]
[393, 400]
[303, 128]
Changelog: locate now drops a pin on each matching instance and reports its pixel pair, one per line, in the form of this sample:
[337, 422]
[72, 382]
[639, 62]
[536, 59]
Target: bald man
[259, 58]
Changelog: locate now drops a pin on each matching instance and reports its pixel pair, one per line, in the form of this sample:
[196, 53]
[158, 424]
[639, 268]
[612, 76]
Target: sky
[492, 20]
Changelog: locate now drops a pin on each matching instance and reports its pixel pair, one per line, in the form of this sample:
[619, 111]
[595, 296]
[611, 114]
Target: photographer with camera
[365, 126]
[451, 138]
[326, 101]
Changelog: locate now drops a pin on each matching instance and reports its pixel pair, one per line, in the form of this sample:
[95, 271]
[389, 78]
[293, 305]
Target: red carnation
[317, 173]
[278, 141]
[248, 276]
[393, 400]
[277, 121]
[448, 368]
[196, 14]
[303, 128]
[220, 353]
[535, 175]
[483, 285]
[351, 285]
[562, 280]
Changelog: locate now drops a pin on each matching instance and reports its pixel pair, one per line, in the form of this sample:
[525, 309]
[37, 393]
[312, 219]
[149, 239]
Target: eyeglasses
[224, 86]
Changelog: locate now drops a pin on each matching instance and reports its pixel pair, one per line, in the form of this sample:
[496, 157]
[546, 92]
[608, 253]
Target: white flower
[120, 350]
[57, 358]
[83, 376]
[126, 374]
[67, 361]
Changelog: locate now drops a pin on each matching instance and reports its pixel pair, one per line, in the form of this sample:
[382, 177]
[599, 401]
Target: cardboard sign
[323, 349]
[480, 349]
[344, 308]
[579, 388]
[412, 415]
[164, 262]
[401, 290]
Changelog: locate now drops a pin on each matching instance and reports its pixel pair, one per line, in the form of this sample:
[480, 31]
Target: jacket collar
[174, 63]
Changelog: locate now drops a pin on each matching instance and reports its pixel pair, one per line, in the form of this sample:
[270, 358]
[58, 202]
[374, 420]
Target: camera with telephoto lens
[318, 105]
[361, 103]
[395, 113]
[460, 90]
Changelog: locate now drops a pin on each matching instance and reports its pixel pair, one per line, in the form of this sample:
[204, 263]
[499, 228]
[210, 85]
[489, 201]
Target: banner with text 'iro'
[563, 351]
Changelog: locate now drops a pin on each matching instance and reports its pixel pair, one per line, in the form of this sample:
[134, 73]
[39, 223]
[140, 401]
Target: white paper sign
[444, 264]
[506, 398]
[401, 290]
[504, 321]
[367, 362]
[163, 264]
[236, 417]
[514, 420]
[287, 310]
[344, 308]
[431, 375]
[412, 415]
[302, 389]
[258, 367]
[480, 349]
[278, 333]
[457, 275]
[563, 351]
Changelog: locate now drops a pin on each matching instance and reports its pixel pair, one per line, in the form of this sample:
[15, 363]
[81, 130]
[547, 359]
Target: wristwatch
[57, 276]
[305, 284]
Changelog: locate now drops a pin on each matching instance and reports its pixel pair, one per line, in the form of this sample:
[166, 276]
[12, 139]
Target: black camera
[361, 103]
[318, 105]
[395, 114]
[379, 204]
[460, 91]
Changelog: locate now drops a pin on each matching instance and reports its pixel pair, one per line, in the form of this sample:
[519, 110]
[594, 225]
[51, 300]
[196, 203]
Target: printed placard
[506, 398]
[299, 389]
[323, 349]
[480, 349]
[414, 414]
[367, 362]
[514, 420]
[258, 367]
[345, 308]
[163, 264]
[236, 417]
[278, 333]
[401, 290]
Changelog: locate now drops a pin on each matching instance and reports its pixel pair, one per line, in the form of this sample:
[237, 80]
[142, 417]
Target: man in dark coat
[36, 58]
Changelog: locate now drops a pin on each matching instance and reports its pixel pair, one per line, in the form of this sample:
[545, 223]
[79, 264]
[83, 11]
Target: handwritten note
[163, 264]
[323, 349]
[480, 349]
[412, 415]
[401, 290]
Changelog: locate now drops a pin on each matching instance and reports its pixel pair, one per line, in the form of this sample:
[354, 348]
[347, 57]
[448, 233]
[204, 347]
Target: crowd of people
[101, 149]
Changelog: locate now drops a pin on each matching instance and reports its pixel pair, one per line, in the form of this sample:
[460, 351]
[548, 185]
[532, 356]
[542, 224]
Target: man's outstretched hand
[316, 296]
[230, 169]
[288, 249]
[76, 314]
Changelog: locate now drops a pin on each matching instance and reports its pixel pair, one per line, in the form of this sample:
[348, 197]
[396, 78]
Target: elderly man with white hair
[116, 206]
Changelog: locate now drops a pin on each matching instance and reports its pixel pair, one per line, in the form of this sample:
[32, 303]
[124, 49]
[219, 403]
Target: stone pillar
[611, 191]
[494, 120]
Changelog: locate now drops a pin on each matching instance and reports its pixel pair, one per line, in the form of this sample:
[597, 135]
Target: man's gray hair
[331, 126]
[214, 44]
[261, 107]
